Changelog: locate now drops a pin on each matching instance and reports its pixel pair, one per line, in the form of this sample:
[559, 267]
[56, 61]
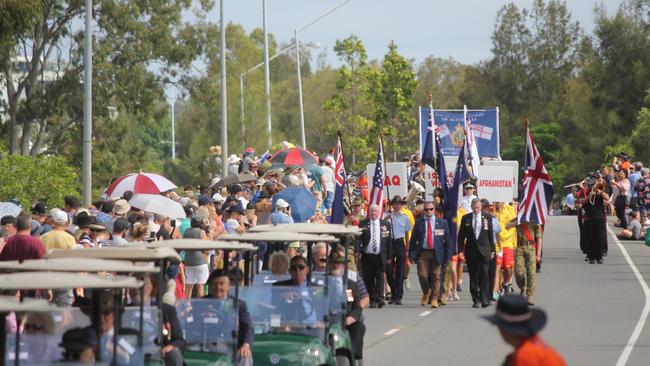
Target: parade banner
[497, 183]
[485, 125]
[396, 181]
[431, 177]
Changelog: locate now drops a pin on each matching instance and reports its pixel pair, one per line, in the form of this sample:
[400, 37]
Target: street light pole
[173, 127]
[224, 97]
[241, 83]
[303, 141]
[297, 45]
[88, 107]
[267, 81]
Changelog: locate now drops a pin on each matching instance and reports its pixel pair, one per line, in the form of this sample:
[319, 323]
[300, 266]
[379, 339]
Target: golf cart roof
[74, 264]
[63, 280]
[309, 228]
[198, 244]
[135, 253]
[11, 303]
[276, 236]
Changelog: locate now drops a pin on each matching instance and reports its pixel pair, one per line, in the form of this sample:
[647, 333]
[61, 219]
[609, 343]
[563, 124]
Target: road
[593, 310]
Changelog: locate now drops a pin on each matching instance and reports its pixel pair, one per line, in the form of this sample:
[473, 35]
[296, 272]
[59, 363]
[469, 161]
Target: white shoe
[456, 297]
[407, 284]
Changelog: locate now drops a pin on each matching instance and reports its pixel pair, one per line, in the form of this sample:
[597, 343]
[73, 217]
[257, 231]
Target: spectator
[634, 230]
[642, 188]
[9, 225]
[58, 237]
[633, 178]
[282, 214]
[22, 245]
[120, 226]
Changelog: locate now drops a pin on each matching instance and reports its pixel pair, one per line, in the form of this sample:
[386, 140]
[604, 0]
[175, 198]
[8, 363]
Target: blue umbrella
[302, 202]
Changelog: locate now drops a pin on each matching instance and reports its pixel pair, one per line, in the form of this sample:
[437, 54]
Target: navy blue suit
[441, 243]
[430, 261]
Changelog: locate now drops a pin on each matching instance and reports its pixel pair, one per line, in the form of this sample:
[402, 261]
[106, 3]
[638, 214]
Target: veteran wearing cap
[353, 309]
[401, 225]
[519, 326]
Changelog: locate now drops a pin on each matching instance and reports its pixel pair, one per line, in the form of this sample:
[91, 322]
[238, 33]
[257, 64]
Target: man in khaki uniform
[526, 257]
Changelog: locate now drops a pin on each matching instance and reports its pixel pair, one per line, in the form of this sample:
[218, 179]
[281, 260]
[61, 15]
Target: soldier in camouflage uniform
[526, 257]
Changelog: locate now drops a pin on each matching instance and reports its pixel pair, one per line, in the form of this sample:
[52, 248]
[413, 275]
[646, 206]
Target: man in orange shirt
[519, 325]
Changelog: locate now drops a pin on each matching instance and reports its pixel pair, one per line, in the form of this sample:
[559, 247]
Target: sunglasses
[428, 209]
[297, 267]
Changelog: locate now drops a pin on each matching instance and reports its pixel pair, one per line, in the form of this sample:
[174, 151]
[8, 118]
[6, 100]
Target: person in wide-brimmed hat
[519, 326]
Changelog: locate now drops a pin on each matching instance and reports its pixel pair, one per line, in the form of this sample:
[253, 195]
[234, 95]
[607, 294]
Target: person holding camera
[282, 214]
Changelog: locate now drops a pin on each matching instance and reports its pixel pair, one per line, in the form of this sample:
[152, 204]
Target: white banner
[396, 182]
[497, 183]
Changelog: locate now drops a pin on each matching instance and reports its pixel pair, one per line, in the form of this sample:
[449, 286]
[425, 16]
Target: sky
[443, 28]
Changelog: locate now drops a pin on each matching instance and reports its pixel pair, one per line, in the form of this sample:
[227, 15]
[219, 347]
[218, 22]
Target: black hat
[78, 339]
[235, 188]
[624, 156]
[336, 257]
[84, 219]
[397, 200]
[515, 317]
[485, 202]
[39, 209]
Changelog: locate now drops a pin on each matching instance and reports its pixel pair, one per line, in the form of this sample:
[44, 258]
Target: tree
[129, 37]
[32, 179]
[350, 106]
[391, 89]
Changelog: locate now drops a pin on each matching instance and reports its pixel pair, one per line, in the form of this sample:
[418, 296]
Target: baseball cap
[39, 209]
[281, 203]
[59, 216]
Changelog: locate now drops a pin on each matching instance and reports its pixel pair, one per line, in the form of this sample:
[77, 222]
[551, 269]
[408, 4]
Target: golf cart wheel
[343, 360]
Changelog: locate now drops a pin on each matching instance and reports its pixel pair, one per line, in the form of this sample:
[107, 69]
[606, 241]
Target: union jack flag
[338, 207]
[377, 191]
[538, 190]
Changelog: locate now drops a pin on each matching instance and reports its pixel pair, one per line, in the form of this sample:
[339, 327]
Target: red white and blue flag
[538, 190]
[377, 192]
[338, 209]
[470, 143]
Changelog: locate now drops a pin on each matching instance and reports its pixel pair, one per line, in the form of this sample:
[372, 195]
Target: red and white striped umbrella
[148, 183]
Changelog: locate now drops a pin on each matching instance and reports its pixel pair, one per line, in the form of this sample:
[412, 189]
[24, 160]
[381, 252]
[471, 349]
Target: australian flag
[377, 191]
[451, 200]
[442, 169]
[428, 152]
[338, 209]
[538, 190]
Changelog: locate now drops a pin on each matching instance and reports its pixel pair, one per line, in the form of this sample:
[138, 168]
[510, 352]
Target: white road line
[629, 347]
[391, 332]
[425, 313]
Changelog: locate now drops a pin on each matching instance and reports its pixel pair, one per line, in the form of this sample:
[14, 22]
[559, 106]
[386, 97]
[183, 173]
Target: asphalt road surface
[593, 312]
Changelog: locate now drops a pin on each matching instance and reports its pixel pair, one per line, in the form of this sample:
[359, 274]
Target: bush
[31, 179]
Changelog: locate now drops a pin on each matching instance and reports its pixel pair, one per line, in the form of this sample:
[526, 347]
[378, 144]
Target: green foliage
[32, 179]
[640, 135]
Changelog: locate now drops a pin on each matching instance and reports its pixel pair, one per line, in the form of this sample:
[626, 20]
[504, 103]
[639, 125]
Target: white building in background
[20, 65]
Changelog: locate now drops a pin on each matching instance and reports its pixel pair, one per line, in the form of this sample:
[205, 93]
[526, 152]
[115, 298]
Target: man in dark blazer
[352, 297]
[430, 247]
[476, 238]
[218, 286]
[376, 251]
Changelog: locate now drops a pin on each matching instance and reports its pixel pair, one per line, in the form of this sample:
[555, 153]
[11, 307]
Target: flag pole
[347, 186]
[432, 124]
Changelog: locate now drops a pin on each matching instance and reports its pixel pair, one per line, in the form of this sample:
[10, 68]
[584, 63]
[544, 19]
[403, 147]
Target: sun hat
[515, 317]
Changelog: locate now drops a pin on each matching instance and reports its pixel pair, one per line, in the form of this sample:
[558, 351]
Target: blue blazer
[441, 241]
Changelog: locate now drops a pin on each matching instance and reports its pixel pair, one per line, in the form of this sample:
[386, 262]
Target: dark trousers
[492, 273]
[619, 207]
[373, 276]
[395, 270]
[357, 331]
[597, 244]
[583, 235]
[478, 267]
[173, 358]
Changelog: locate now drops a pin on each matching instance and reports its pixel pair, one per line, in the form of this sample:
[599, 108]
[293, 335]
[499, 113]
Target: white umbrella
[137, 183]
[9, 209]
[158, 204]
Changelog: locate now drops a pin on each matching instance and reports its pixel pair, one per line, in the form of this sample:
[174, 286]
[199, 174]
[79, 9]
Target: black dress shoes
[381, 304]
[373, 305]
[486, 304]
[475, 305]
[398, 302]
